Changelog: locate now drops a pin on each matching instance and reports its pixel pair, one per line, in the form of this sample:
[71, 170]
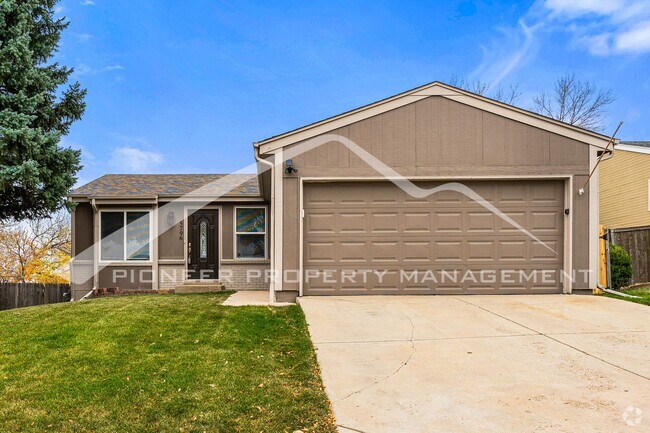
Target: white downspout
[96, 251]
[271, 166]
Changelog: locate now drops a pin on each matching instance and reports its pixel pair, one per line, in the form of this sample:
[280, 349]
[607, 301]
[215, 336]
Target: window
[250, 231]
[125, 235]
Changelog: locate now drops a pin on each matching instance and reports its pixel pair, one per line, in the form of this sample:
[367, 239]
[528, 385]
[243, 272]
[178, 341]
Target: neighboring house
[625, 186]
[339, 226]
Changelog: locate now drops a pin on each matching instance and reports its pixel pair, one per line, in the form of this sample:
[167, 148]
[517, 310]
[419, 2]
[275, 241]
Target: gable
[433, 89]
[436, 134]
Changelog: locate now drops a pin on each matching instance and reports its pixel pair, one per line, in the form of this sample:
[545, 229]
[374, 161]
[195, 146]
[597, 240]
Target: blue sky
[187, 86]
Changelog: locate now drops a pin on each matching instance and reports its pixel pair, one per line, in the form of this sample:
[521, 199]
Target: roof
[435, 88]
[634, 146]
[169, 185]
[636, 143]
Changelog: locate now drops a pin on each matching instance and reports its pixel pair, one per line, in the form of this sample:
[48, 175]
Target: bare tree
[508, 96]
[579, 103]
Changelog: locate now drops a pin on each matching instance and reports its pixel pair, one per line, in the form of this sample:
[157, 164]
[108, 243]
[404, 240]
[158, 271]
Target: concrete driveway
[545, 363]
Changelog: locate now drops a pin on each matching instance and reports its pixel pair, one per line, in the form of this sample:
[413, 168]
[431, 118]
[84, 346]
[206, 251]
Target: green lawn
[643, 292]
[160, 363]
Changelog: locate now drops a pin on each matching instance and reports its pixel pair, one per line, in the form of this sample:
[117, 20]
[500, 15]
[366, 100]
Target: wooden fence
[636, 241]
[17, 295]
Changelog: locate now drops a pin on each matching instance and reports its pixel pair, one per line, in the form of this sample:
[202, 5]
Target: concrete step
[199, 288]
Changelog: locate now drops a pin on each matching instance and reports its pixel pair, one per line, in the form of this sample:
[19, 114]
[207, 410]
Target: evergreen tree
[35, 111]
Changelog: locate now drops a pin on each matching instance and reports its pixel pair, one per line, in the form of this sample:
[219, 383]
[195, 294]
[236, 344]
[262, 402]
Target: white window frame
[265, 233]
[125, 260]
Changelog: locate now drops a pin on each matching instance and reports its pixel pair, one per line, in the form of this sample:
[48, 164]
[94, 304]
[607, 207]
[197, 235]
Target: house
[625, 186]
[432, 191]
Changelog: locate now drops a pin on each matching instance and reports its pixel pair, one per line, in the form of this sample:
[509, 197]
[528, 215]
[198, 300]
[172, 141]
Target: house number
[181, 231]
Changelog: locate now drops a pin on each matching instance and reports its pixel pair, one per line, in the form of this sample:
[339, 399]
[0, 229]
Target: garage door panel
[352, 222]
[481, 222]
[545, 221]
[416, 222]
[448, 222]
[513, 250]
[384, 222]
[481, 251]
[378, 227]
[384, 251]
[417, 251]
[320, 223]
[448, 251]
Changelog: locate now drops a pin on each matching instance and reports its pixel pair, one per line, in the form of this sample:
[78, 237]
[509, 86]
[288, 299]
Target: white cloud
[503, 58]
[636, 40]
[113, 68]
[82, 37]
[577, 8]
[604, 27]
[131, 159]
[84, 69]
[87, 3]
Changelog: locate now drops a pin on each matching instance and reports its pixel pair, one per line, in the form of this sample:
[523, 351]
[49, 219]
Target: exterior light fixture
[289, 167]
[171, 219]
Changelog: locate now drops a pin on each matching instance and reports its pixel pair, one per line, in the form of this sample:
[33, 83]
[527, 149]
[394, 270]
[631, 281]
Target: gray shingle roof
[157, 185]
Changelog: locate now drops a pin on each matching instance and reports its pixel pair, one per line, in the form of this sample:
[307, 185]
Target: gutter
[271, 166]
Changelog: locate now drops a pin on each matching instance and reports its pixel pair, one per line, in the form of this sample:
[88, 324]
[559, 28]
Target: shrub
[621, 266]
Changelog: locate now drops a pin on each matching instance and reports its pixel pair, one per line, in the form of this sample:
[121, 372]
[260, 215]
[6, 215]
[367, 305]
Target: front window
[125, 236]
[250, 231]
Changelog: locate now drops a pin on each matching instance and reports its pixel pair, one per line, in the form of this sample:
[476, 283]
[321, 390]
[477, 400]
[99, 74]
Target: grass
[642, 292]
[159, 363]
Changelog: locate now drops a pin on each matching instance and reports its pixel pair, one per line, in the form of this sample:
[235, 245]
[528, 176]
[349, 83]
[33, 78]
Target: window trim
[265, 233]
[125, 260]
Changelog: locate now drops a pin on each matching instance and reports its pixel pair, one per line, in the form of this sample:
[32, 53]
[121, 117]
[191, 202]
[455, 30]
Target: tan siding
[170, 242]
[83, 230]
[580, 231]
[126, 277]
[290, 237]
[624, 190]
[227, 231]
[438, 137]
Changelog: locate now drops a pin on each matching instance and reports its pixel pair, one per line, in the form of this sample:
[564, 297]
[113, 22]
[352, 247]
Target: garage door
[374, 238]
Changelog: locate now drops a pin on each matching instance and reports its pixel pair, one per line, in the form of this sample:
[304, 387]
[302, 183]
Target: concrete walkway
[545, 363]
[251, 297]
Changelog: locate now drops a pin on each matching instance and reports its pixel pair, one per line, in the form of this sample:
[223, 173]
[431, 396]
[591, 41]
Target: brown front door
[203, 245]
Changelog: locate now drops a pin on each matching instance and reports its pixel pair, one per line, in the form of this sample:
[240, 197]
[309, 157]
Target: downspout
[271, 166]
[96, 251]
[617, 293]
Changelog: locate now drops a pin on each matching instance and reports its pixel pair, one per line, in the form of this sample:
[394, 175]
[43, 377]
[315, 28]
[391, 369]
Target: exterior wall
[126, 277]
[82, 267]
[83, 228]
[168, 268]
[234, 274]
[439, 138]
[624, 190]
[245, 275]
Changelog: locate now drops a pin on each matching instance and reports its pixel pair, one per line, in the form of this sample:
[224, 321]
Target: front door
[203, 245]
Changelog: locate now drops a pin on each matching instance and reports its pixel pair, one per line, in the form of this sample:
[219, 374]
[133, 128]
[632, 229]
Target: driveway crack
[404, 364]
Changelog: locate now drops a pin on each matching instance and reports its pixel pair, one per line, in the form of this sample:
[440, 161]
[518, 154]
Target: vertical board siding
[636, 241]
[18, 295]
[436, 133]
